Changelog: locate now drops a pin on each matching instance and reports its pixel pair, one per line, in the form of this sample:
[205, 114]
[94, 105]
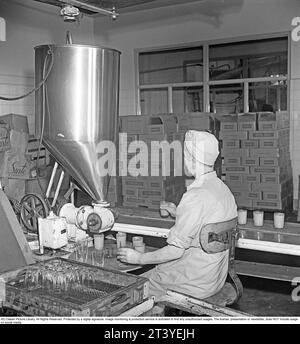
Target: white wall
[29, 24]
[204, 21]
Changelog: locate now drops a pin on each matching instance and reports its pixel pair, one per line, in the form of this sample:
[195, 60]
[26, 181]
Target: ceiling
[121, 6]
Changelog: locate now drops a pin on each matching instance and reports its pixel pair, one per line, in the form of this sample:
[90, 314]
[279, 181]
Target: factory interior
[149, 158]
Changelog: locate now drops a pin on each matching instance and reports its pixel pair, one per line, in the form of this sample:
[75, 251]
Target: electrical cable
[34, 89]
[45, 102]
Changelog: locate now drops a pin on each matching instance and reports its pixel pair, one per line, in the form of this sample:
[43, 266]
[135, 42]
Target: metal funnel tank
[77, 108]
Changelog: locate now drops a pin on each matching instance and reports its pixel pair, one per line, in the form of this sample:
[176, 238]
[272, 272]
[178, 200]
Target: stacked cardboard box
[14, 160]
[154, 185]
[256, 159]
[148, 190]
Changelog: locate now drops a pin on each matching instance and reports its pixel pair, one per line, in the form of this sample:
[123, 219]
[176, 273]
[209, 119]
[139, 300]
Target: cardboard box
[129, 191]
[284, 187]
[162, 124]
[264, 152]
[134, 124]
[14, 188]
[233, 135]
[244, 202]
[162, 194]
[14, 165]
[14, 133]
[136, 182]
[272, 196]
[232, 161]
[273, 178]
[269, 205]
[273, 121]
[230, 144]
[229, 122]
[254, 195]
[269, 143]
[247, 121]
[250, 161]
[238, 186]
[265, 170]
[182, 122]
[235, 169]
[251, 178]
[202, 121]
[234, 152]
[251, 144]
[233, 178]
[269, 134]
[271, 161]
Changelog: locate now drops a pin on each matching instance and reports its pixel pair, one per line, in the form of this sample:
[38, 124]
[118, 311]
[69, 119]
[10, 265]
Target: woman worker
[182, 265]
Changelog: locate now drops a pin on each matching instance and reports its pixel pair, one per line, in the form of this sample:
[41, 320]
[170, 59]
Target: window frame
[206, 83]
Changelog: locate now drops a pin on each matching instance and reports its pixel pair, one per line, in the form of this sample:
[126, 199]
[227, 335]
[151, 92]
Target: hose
[38, 86]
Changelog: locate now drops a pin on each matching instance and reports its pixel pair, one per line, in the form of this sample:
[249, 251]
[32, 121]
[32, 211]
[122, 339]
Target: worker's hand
[128, 255]
[167, 208]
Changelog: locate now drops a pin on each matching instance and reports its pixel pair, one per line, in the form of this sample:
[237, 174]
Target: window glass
[250, 59]
[227, 98]
[268, 96]
[171, 66]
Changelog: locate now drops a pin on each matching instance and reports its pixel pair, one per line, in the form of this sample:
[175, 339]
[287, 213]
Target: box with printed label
[269, 143]
[250, 161]
[233, 178]
[162, 124]
[272, 205]
[14, 165]
[273, 196]
[134, 124]
[269, 161]
[251, 178]
[230, 144]
[265, 170]
[235, 169]
[286, 186]
[202, 121]
[232, 161]
[229, 122]
[269, 134]
[247, 121]
[265, 152]
[254, 195]
[273, 178]
[233, 135]
[239, 186]
[234, 152]
[136, 182]
[14, 133]
[244, 202]
[251, 144]
[273, 121]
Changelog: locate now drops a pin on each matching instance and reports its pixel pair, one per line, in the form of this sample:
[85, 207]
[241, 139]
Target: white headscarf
[200, 148]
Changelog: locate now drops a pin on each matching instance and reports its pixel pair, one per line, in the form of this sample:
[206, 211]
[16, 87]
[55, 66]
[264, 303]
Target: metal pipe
[58, 188]
[51, 179]
[250, 244]
[89, 7]
[141, 230]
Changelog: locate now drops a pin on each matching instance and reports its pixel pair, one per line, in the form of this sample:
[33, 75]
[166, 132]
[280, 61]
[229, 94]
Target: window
[229, 77]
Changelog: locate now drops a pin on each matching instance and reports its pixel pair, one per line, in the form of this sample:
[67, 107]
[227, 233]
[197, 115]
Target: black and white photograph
[150, 164]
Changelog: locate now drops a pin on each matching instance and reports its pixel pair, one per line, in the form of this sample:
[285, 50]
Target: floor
[261, 298]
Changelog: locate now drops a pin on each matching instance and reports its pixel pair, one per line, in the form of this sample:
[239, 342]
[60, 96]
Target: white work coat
[196, 273]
